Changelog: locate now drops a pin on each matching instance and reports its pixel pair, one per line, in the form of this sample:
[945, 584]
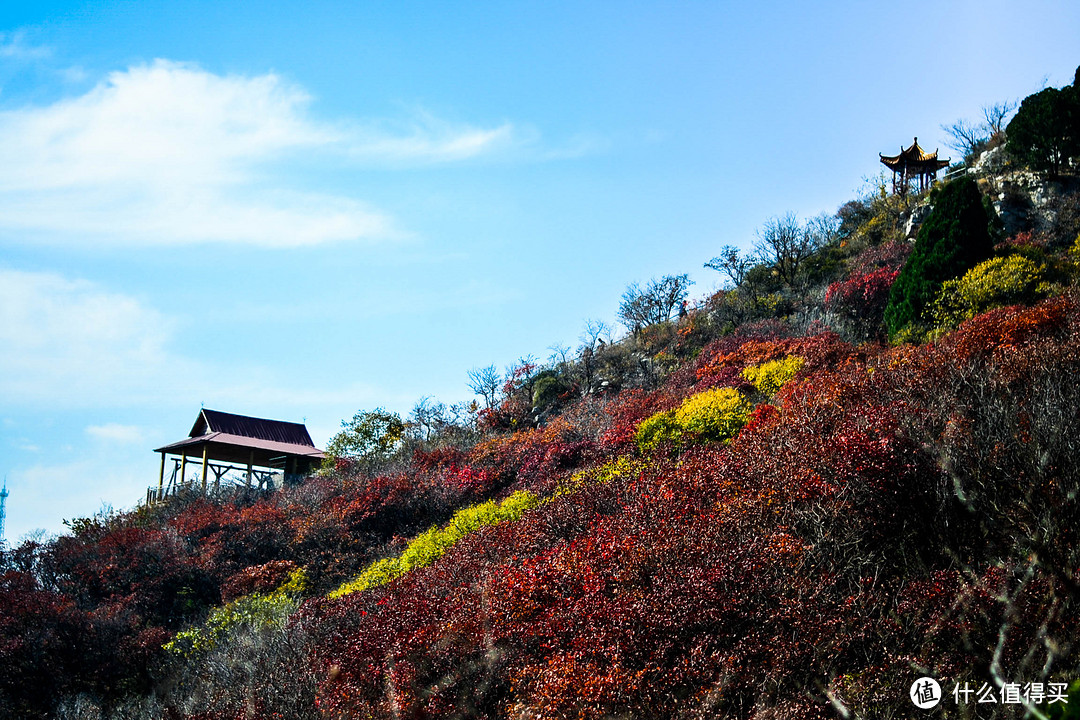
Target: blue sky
[307, 209]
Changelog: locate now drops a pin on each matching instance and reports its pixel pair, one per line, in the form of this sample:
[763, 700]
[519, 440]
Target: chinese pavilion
[913, 163]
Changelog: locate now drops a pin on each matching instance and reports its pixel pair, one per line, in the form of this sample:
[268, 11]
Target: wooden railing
[221, 480]
[956, 172]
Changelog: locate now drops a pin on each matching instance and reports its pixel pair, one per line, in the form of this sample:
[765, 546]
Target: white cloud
[115, 433]
[169, 153]
[71, 343]
[427, 139]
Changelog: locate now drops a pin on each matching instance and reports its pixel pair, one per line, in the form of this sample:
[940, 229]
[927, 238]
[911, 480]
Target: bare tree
[594, 332]
[654, 303]
[560, 354]
[428, 418]
[731, 263]
[996, 115]
[786, 245]
[969, 138]
[592, 338]
[669, 293]
[485, 383]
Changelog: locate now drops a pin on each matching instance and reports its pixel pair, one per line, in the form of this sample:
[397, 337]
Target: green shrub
[1070, 709]
[773, 375]
[955, 238]
[369, 438]
[547, 387]
[429, 546]
[711, 416]
[994, 283]
[257, 610]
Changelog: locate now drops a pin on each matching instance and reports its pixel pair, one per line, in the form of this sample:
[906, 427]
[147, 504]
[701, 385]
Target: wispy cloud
[169, 153]
[13, 45]
[71, 343]
[115, 433]
[424, 138]
[72, 489]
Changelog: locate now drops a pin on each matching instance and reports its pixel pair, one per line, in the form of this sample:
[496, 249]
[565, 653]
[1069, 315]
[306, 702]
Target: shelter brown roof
[250, 427]
[240, 439]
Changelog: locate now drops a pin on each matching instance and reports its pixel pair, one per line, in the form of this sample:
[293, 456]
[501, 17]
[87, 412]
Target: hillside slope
[760, 509]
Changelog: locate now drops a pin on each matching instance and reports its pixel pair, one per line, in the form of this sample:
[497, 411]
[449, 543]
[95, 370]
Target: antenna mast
[3, 512]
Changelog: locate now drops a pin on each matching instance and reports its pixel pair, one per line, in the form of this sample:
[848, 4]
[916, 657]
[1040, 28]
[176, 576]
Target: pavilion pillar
[251, 463]
[161, 479]
[183, 467]
[205, 457]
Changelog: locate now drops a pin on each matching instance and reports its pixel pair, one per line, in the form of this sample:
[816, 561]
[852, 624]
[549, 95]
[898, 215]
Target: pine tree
[1046, 130]
[952, 240]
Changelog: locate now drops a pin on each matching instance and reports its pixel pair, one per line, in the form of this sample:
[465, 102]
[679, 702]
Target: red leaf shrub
[888, 256]
[861, 299]
[260, 578]
[822, 351]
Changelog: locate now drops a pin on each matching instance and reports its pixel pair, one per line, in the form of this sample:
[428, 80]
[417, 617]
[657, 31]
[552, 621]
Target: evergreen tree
[954, 239]
[1046, 130]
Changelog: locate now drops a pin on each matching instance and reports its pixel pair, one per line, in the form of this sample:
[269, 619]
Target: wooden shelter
[264, 450]
[912, 164]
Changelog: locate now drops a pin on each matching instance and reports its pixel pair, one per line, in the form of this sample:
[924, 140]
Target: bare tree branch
[731, 263]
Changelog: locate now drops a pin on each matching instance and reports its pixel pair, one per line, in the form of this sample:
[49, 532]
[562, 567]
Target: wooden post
[205, 451]
[183, 468]
[161, 479]
[251, 462]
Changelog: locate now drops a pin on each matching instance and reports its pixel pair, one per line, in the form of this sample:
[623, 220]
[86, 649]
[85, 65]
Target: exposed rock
[1025, 199]
[916, 216]
[990, 161]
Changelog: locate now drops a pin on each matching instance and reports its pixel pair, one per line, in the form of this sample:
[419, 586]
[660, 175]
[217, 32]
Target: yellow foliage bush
[429, 546]
[710, 416]
[993, 283]
[257, 610]
[773, 375]
[620, 467]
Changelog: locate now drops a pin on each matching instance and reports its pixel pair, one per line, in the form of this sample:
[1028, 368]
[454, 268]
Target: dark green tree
[953, 239]
[1046, 130]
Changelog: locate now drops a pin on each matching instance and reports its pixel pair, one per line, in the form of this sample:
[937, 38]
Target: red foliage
[733, 578]
[861, 299]
[1025, 239]
[822, 351]
[260, 578]
[428, 460]
[533, 459]
[1001, 332]
[826, 548]
[888, 256]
